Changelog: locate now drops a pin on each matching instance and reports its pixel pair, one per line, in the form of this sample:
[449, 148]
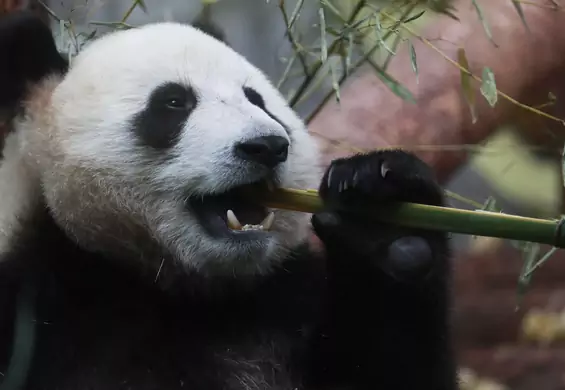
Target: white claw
[355, 178]
[233, 222]
[384, 169]
[270, 185]
[267, 223]
[330, 176]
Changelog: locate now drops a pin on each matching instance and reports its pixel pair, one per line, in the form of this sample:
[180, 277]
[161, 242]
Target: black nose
[268, 151]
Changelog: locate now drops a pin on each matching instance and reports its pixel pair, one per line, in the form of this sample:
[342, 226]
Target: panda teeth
[234, 224]
[267, 223]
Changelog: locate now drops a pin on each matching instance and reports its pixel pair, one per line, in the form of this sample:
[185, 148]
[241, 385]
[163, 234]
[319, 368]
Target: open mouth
[235, 211]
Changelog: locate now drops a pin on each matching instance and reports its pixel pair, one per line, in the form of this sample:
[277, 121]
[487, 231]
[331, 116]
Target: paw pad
[409, 256]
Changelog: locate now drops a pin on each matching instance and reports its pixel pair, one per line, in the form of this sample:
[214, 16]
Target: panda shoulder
[28, 57]
[19, 194]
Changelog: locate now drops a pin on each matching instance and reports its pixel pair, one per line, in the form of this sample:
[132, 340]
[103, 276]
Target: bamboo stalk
[447, 219]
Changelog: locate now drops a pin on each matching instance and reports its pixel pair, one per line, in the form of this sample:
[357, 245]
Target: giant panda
[134, 253]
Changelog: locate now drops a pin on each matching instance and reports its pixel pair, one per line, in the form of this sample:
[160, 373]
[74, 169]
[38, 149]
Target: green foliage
[488, 87]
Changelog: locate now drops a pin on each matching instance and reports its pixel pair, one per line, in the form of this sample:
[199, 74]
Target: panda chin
[235, 213]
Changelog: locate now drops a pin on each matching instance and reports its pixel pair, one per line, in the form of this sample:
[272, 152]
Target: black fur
[167, 111]
[256, 99]
[371, 314]
[204, 24]
[28, 54]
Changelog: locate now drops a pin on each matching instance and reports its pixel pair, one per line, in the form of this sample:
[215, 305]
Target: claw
[355, 178]
[329, 180]
[384, 169]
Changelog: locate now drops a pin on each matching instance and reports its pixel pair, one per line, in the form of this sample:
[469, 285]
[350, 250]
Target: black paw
[374, 181]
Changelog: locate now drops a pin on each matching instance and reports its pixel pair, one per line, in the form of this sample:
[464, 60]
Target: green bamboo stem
[447, 219]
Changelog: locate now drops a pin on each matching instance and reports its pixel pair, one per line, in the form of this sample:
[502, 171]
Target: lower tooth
[268, 221]
[252, 227]
[234, 224]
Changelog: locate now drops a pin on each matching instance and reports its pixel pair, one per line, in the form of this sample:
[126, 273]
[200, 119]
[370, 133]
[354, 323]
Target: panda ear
[210, 29]
[27, 55]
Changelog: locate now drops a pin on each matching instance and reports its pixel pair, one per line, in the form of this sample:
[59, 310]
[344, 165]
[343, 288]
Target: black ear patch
[27, 54]
[210, 29]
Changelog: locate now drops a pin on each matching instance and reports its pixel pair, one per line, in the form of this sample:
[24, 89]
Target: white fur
[19, 191]
[111, 195]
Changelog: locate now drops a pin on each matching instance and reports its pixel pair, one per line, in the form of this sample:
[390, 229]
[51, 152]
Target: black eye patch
[161, 121]
[256, 99]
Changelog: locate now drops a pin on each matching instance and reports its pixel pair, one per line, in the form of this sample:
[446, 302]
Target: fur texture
[130, 158]
[19, 191]
[95, 169]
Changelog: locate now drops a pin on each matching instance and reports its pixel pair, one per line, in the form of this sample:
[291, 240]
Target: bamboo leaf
[136, 3]
[490, 205]
[397, 88]
[348, 54]
[442, 6]
[295, 14]
[520, 11]
[466, 83]
[378, 33]
[551, 97]
[333, 9]
[530, 255]
[542, 261]
[413, 61]
[354, 26]
[488, 87]
[484, 22]
[333, 31]
[412, 18]
[324, 53]
[563, 166]
[335, 82]
[142, 5]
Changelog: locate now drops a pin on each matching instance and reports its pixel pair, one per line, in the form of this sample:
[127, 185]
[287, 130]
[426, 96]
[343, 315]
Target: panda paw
[374, 181]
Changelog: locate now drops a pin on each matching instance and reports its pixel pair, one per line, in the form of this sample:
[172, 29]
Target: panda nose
[268, 150]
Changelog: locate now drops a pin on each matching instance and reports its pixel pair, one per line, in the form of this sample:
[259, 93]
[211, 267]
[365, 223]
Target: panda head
[155, 139]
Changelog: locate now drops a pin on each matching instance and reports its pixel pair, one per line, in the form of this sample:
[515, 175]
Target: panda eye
[177, 103]
[175, 97]
[254, 97]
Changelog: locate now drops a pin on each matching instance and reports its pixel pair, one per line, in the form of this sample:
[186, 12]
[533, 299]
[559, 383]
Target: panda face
[155, 140]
